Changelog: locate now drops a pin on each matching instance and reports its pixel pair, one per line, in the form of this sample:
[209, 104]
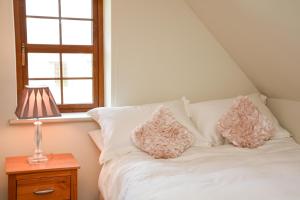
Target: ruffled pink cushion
[162, 136]
[244, 125]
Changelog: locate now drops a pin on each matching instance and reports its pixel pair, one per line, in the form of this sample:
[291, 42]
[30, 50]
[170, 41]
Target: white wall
[107, 52]
[288, 113]
[262, 37]
[160, 51]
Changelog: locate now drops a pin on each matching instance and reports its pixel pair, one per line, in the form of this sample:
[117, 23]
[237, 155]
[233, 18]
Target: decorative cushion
[244, 125]
[162, 136]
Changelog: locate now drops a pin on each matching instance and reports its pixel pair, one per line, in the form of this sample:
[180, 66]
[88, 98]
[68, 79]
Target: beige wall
[262, 37]
[160, 50]
[288, 113]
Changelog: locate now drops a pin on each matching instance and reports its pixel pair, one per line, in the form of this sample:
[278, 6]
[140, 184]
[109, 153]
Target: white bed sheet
[224, 172]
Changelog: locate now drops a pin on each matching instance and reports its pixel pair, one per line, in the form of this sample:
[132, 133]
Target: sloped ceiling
[263, 36]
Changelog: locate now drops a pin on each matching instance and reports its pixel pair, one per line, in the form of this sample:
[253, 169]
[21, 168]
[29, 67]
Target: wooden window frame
[96, 49]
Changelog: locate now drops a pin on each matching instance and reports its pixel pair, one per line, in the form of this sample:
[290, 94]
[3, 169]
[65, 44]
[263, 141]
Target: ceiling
[263, 36]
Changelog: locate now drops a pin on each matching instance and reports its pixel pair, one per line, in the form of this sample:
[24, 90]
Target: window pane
[54, 86]
[42, 8]
[76, 32]
[78, 91]
[76, 8]
[42, 31]
[77, 65]
[43, 65]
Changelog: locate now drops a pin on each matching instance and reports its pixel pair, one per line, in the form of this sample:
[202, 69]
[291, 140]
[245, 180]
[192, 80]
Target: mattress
[271, 171]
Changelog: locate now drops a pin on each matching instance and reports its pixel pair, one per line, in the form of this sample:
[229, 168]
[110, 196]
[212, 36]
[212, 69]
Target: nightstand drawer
[44, 188]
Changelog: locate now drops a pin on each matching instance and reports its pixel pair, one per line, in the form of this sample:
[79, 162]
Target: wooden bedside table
[53, 180]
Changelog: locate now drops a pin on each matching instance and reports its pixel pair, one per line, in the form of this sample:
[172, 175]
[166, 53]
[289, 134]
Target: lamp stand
[38, 156]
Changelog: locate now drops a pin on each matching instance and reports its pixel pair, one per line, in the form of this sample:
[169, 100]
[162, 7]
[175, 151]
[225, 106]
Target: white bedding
[224, 172]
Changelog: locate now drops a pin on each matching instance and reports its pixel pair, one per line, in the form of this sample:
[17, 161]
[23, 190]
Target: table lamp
[36, 103]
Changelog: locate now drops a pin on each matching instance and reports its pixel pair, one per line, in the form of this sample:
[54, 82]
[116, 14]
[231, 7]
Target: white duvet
[219, 173]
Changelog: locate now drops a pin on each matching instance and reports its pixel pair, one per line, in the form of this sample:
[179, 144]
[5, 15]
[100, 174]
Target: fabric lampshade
[36, 102]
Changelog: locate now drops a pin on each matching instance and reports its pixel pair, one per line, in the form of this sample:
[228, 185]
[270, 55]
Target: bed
[271, 171]
[267, 169]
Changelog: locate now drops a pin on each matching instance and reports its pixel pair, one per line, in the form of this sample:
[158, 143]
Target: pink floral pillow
[162, 136]
[244, 125]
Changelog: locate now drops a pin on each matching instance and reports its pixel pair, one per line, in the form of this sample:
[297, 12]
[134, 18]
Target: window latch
[23, 54]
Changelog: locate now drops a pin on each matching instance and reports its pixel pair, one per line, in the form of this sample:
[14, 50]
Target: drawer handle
[43, 192]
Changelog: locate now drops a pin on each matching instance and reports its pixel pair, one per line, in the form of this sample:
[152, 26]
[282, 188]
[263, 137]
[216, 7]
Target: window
[59, 44]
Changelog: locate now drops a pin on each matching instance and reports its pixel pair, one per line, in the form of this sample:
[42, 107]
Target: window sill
[66, 117]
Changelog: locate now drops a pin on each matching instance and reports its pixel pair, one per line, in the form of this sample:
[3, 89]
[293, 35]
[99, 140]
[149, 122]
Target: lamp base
[38, 156]
[37, 159]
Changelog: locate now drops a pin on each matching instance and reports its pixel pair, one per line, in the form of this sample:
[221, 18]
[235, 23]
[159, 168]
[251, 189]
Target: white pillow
[117, 124]
[97, 138]
[206, 115]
